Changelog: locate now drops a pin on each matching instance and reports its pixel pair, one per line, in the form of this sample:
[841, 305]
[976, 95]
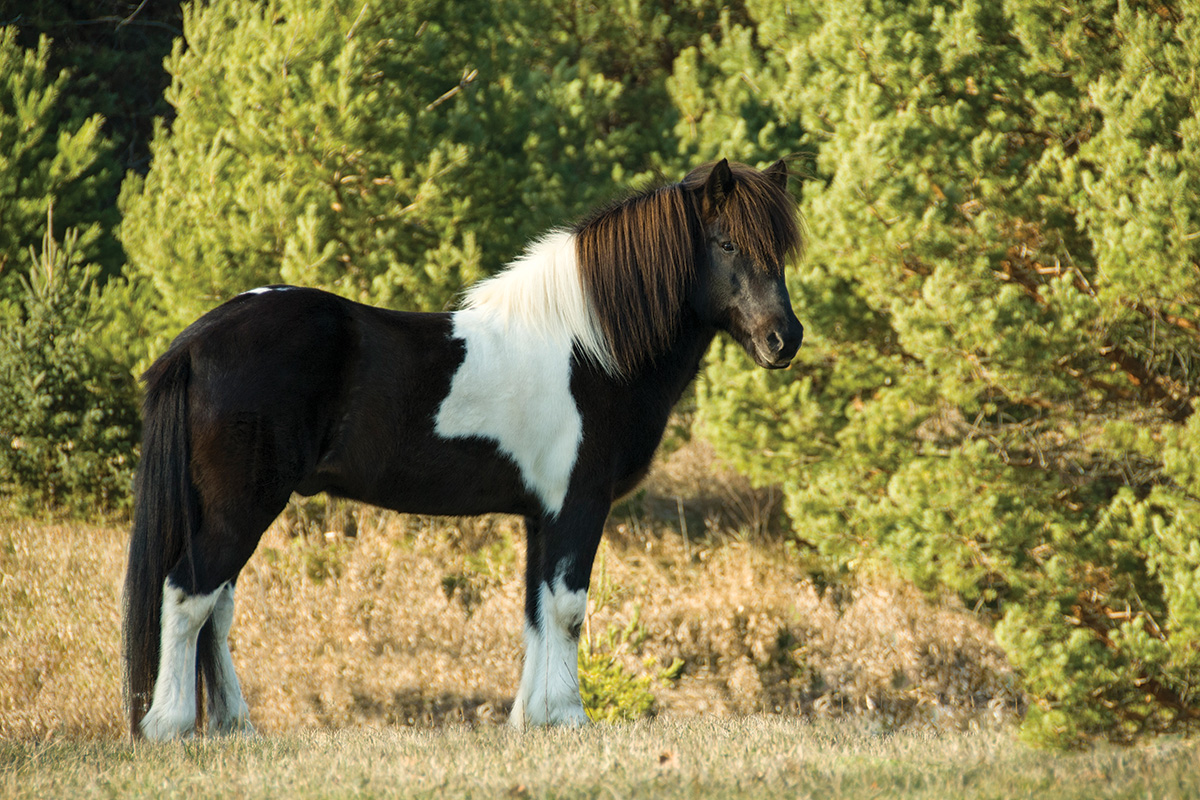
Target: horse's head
[712, 246]
[750, 229]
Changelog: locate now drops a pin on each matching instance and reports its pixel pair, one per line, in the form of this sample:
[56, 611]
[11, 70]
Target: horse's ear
[778, 173]
[719, 185]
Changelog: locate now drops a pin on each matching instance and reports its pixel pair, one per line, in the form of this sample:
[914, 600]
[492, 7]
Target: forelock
[758, 216]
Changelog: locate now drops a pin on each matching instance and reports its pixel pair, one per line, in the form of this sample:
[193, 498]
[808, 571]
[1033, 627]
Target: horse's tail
[166, 516]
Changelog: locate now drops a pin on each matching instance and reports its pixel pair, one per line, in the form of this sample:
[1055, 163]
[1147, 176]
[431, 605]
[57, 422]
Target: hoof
[164, 727]
[571, 717]
[237, 726]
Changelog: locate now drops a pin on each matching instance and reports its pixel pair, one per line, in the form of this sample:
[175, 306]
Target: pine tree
[1002, 301]
[113, 52]
[50, 155]
[68, 413]
[391, 152]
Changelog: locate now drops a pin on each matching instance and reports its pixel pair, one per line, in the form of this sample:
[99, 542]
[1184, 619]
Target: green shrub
[612, 692]
[68, 412]
[997, 387]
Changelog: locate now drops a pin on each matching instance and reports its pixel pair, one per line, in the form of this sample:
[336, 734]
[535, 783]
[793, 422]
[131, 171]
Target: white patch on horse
[173, 711]
[541, 292]
[227, 709]
[549, 692]
[265, 289]
[514, 384]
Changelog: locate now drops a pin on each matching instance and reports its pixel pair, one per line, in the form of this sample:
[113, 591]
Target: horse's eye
[729, 247]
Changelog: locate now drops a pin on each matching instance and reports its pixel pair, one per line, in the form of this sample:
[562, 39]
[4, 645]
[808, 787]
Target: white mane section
[541, 292]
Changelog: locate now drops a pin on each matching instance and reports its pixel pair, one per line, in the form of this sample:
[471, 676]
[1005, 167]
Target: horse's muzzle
[778, 346]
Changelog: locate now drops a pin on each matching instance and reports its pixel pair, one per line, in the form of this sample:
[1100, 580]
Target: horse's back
[295, 389]
[261, 348]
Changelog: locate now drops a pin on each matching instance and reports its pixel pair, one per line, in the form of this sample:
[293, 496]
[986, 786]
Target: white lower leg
[549, 693]
[173, 710]
[227, 709]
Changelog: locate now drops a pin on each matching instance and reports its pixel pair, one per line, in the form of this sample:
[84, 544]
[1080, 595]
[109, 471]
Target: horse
[544, 395]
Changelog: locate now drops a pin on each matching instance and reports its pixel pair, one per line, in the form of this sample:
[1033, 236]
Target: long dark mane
[638, 257]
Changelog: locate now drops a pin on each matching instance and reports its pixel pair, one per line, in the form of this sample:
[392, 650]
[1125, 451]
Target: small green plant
[611, 691]
[322, 560]
[68, 410]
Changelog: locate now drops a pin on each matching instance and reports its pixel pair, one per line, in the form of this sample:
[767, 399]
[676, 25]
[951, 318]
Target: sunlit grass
[703, 757]
[418, 622]
[383, 665]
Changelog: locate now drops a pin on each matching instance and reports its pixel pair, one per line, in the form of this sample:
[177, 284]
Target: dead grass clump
[900, 658]
[692, 490]
[393, 627]
[757, 636]
[60, 630]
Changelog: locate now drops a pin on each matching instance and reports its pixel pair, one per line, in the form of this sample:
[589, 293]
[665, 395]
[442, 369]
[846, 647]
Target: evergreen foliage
[68, 410]
[392, 151]
[997, 389]
[113, 52]
[51, 154]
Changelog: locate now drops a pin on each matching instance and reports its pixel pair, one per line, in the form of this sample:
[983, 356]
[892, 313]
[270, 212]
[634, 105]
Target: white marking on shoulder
[514, 385]
[514, 388]
[542, 292]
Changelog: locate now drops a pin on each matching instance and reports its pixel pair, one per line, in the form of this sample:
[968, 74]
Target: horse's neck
[632, 412]
[669, 374]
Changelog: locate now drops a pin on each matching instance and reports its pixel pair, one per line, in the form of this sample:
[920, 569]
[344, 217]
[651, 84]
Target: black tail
[166, 516]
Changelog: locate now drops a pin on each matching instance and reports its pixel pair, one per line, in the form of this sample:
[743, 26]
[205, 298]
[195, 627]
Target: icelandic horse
[544, 395]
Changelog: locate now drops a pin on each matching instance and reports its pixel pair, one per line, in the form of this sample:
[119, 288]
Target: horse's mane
[637, 257]
[617, 283]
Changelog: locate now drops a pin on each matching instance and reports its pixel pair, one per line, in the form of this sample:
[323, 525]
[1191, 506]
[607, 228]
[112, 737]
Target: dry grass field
[412, 623]
[380, 653]
[360, 618]
[725, 757]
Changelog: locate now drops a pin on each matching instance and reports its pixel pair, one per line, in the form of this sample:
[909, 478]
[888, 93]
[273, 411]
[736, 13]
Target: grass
[419, 623]
[379, 655]
[700, 757]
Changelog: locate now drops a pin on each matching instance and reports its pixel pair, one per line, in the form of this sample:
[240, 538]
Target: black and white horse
[545, 396]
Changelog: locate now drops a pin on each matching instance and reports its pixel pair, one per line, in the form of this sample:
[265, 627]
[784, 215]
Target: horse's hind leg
[219, 551]
[173, 710]
[227, 709]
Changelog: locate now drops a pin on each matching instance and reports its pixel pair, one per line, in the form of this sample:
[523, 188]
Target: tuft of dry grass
[60, 630]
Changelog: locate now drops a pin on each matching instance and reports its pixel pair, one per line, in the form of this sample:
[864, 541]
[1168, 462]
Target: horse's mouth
[782, 361]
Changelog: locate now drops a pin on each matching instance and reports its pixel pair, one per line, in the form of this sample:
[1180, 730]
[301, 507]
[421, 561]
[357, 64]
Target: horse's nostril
[775, 341]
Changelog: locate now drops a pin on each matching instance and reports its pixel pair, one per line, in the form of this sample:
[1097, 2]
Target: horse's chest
[514, 387]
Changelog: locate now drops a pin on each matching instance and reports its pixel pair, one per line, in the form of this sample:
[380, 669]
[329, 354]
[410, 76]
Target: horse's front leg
[560, 551]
